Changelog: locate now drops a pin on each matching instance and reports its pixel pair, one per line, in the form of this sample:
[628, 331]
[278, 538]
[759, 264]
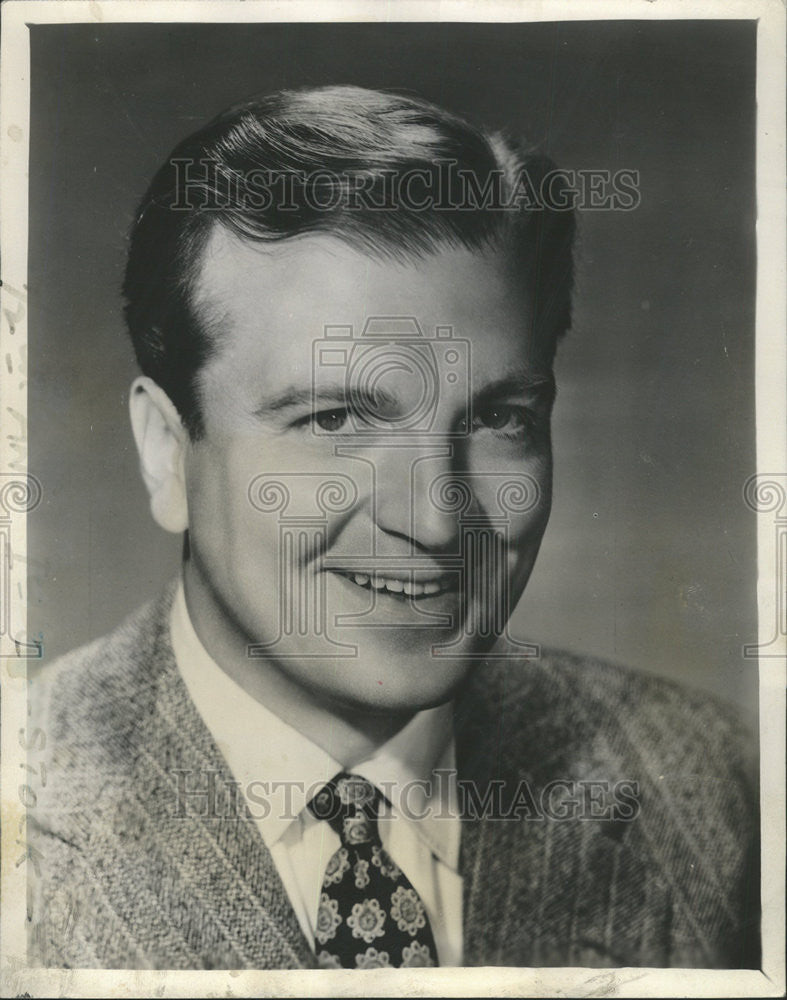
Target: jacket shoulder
[583, 701]
[111, 663]
[682, 760]
[90, 703]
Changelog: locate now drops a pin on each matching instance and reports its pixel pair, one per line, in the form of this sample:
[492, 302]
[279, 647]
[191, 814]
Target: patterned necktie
[369, 916]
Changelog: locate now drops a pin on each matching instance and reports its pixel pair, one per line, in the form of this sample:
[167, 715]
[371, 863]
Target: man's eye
[500, 417]
[331, 420]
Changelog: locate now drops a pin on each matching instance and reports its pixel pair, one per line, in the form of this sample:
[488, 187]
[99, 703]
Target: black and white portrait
[390, 498]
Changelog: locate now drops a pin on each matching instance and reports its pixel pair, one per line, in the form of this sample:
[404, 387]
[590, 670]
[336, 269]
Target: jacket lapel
[227, 897]
[491, 860]
[541, 891]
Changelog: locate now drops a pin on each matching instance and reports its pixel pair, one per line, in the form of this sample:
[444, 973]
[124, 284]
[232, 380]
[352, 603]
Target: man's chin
[400, 685]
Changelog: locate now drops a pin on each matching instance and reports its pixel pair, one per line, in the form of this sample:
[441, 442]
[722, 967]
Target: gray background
[650, 556]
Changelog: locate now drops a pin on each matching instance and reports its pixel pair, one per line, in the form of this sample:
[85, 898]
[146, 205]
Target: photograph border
[20, 493]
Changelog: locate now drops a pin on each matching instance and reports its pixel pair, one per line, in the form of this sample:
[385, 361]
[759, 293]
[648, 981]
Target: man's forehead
[322, 269]
[273, 307]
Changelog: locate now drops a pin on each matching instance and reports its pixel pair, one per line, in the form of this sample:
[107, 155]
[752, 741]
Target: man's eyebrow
[526, 382]
[295, 396]
[298, 396]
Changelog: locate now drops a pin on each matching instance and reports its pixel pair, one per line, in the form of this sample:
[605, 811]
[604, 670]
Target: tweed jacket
[122, 880]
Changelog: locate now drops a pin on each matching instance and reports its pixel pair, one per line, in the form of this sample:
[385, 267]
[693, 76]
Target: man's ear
[161, 442]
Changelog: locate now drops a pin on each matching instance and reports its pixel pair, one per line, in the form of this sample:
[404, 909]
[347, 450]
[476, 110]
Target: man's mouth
[401, 587]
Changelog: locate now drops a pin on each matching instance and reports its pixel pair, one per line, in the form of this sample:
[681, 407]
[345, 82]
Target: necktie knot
[350, 804]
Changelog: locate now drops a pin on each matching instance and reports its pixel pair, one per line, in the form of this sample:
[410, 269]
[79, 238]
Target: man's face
[352, 519]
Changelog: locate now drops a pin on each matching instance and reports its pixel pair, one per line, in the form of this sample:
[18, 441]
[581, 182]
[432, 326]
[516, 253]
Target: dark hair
[341, 152]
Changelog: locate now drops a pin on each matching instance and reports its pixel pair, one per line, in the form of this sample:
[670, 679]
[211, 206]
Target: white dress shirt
[279, 770]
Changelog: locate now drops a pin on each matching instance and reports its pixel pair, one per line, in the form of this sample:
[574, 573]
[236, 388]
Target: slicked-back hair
[336, 152]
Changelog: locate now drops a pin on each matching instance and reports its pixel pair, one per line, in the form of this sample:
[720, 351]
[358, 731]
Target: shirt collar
[415, 770]
[286, 767]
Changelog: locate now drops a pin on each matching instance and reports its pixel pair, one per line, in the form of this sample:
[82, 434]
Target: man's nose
[405, 503]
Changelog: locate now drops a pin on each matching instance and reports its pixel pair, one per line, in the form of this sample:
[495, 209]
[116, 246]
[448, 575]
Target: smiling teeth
[397, 586]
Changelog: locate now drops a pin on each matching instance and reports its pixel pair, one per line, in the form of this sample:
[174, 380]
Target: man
[320, 747]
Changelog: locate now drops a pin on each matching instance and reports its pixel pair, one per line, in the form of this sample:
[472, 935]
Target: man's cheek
[525, 533]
